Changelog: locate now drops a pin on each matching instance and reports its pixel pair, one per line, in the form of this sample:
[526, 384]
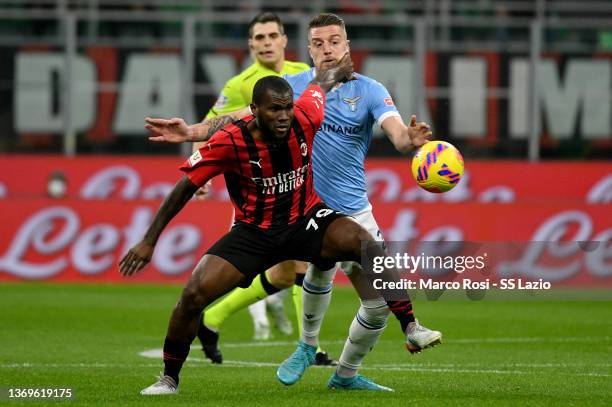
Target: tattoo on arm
[216, 124]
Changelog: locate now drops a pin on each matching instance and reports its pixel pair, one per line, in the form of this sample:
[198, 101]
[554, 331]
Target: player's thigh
[359, 279]
[343, 239]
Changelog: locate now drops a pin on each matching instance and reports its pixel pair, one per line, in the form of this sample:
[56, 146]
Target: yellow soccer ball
[437, 166]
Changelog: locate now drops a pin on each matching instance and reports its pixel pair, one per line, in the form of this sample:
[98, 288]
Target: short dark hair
[325, 19]
[267, 84]
[266, 17]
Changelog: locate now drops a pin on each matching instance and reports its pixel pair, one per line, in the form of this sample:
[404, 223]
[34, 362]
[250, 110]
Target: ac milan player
[266, 162]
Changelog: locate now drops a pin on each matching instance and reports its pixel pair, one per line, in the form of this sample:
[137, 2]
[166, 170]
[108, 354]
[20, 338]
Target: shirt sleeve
[381, 104]
[213, 158]
[312, 105]
[230, 100]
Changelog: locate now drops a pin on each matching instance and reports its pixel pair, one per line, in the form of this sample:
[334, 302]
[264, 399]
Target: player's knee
[374, 313]
[349, 267]
[192, 300]
[319, 278]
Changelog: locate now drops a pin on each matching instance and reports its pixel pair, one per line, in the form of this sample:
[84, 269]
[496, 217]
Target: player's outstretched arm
[140, 255]
[405, 138]
[175, 130]
[328, 78]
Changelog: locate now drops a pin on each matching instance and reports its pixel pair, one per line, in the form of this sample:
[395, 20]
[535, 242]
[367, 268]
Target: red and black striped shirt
[269, 185]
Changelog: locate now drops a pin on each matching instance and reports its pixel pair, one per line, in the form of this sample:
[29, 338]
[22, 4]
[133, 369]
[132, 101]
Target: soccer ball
[437, 166]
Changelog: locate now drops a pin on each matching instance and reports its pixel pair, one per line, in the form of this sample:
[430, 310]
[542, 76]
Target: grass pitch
[89, 338]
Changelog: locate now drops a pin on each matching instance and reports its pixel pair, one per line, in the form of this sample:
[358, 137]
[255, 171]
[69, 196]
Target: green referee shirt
[238, 91]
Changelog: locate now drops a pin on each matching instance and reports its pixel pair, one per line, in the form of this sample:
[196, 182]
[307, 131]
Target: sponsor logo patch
[221, 102]
[195, 158]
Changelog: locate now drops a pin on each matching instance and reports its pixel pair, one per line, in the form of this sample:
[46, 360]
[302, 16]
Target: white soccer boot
[418, 337]
[164, 385]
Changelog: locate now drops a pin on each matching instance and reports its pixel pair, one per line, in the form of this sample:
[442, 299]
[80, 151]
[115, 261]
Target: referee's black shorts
[253, 250]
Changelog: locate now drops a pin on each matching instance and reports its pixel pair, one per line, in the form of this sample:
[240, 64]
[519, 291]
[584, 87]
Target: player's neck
[276, 66]
[253, 128]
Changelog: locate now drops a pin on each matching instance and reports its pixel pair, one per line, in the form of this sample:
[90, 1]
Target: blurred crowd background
[466, 66]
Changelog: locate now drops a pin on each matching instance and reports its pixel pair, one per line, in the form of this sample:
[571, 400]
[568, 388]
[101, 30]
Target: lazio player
[267, 43]
[339, 152]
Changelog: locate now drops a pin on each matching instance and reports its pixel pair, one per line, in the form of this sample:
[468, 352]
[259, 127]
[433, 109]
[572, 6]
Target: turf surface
[89, 338]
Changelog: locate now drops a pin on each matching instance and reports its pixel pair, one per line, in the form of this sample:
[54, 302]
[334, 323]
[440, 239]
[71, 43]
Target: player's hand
[327, 78]
[202, 193]
[344, 69]
[136, 259]
[173, 130]
[419, 133]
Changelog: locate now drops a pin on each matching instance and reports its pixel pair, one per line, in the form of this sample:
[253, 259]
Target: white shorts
[365, 218]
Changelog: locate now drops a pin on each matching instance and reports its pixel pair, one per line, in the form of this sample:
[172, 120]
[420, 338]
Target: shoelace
[361, 380]
[420, 328]
[371, 384]
[300, 359]
[166, 380]
[417, 328]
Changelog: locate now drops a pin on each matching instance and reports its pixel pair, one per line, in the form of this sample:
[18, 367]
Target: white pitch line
[437, 368]
[238, 363]
[158, 353]
[451, 341]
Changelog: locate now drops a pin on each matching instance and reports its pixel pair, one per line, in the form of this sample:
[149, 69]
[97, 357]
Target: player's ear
[348, 45]
[284, 41]
[250, 44]
[253, 108]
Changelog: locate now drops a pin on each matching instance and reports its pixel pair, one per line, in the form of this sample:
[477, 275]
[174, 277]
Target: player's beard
[269, 136]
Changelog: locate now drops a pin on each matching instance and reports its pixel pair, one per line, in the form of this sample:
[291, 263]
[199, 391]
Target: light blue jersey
[342, 142]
